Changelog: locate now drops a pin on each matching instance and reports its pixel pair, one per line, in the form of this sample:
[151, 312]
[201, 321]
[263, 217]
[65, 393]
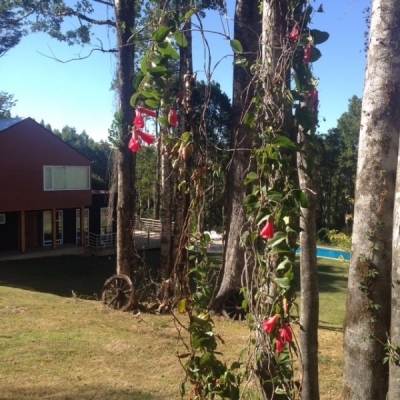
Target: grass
[59, 345]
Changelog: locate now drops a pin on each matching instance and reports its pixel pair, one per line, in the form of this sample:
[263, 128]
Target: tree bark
[394, 370]
[309, 297]
[247, 31]
[125, 23]
[369, 287]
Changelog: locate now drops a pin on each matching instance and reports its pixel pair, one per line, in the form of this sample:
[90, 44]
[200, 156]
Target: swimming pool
[330, 253]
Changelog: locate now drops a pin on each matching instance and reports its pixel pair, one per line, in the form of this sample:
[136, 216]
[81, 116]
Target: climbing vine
[285, 82]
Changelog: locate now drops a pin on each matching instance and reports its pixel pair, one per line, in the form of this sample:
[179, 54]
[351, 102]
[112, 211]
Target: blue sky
[78, 93]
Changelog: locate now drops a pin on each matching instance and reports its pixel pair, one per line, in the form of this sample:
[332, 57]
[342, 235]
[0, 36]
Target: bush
[340, 239]
[323, 236]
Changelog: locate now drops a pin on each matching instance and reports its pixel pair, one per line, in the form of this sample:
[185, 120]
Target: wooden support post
[22, 231]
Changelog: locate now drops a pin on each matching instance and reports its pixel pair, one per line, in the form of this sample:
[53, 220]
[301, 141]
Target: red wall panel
[24, 149]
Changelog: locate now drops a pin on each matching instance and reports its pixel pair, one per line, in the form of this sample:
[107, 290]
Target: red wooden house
[44, 188]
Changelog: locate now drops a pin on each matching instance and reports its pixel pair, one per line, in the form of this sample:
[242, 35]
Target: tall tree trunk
[247, 31]
[394, 369]
[365, 376]
[309, 306]
[125, 23]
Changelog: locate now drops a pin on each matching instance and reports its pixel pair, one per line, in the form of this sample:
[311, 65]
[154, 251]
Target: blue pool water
[330, 253]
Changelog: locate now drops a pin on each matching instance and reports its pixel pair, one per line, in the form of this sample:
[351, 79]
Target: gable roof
[7, 123]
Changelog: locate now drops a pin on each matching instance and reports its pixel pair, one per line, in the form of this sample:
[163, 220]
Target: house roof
[7, 123]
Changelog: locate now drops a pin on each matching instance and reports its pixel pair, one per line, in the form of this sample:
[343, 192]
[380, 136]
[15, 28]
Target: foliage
[340, 240]
[335, 170]
[6, 103]
[11, 28]
[207, 377]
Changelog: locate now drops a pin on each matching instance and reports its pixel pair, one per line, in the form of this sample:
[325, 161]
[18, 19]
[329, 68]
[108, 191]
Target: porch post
[22, 228]
[82, 227]
[53, 229]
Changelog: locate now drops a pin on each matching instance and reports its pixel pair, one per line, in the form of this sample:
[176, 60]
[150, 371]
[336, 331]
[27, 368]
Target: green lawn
[56, 345]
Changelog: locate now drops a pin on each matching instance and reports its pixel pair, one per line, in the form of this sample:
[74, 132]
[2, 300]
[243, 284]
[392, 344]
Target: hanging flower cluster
[283, 335]
[134, 143]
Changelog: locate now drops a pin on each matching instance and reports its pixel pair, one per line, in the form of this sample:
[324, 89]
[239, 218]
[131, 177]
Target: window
[66, 178]
[78, 225]
[47, 227]
[2, 219]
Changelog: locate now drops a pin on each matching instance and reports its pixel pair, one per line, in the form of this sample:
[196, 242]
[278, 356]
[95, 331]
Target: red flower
[285, 333]
[173, 119]
[307, 53]
[144, 136]
[134, 145]
[138, 121]
[294, 35]
[269, 324]
[150, 113]
[268, 231]
[278, 344]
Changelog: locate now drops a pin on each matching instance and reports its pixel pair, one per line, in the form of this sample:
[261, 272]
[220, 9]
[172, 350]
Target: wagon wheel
[118, 292]
[232, 307]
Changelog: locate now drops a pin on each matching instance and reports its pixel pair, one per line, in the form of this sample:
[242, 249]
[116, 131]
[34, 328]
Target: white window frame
[52, 169]
[2, 219]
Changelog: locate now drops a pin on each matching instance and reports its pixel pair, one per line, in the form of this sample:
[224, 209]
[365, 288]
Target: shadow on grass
[87, 393]
[64, 274]
[332, 275]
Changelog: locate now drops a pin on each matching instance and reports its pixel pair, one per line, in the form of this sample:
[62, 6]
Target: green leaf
[279, 237]
[138, 80]
[167, 50]
[283, 282]
[180, 39]
[189, 13]
[157, 72]
[134, 99]
[182, 306]
[248, 119]
[275, 196]
[303, 200]
[163, 121]
[252, 176]
[236, 46]
[252, 201]
[319, 36]
[240, 61]
[315, 54]
[143, 64]
[161, 33]
[283, 142]
[154, 104]
[284, 264]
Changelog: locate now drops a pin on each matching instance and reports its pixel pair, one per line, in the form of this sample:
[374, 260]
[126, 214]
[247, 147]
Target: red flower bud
[269, 324]
[312, 100]
[268, 231]
[173, 119]
[307, 53]
[138, 121]
[294, 34]
[285, 333]
[134, 145]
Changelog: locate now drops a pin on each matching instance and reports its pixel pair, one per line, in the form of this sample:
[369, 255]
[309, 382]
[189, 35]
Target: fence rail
[147, 235]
